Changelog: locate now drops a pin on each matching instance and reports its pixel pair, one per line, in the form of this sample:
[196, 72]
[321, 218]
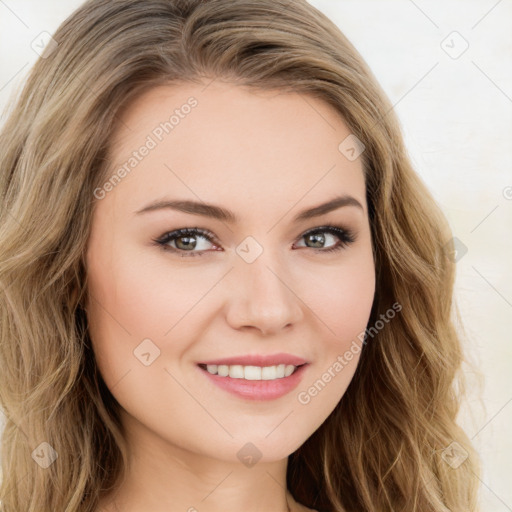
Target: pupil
[187, 244]
[320, 239]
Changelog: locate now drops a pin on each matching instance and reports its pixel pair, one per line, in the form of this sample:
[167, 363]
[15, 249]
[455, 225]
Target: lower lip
[258, 389]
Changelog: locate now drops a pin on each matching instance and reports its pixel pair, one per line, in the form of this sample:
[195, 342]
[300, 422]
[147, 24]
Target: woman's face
[258, 286]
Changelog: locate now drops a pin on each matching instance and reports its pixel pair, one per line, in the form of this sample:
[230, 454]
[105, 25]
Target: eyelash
[345, 236]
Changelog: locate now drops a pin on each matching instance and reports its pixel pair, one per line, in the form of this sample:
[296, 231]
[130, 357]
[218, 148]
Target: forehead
[232, 145]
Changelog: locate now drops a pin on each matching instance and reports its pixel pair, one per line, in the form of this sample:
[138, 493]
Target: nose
[262, 297]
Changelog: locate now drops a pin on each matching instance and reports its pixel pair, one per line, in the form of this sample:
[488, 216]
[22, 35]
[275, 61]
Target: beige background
[456, 111]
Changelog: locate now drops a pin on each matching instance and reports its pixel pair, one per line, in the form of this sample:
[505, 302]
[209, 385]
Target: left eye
[185, 240]
[317, 236]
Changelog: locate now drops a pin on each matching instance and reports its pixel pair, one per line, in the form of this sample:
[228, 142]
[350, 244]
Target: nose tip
[263, 300]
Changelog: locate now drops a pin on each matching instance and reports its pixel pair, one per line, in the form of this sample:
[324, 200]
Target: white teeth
[237, 371]
[268, 373]
[252, 372]
[223, 370]
[288, 370]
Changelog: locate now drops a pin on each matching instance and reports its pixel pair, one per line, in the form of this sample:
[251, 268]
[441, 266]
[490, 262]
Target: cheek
[341, 297]
[134, 299]
[129, 312]
[142, 299]
[342, 300]
[120, 308]
[347, 306]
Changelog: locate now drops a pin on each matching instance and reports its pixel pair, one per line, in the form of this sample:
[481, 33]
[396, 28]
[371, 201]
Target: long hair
[388, 444]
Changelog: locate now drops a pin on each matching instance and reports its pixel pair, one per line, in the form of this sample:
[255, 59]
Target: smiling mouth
[237, 371]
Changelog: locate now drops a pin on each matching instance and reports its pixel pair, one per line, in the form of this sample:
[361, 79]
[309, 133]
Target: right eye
[185, 241]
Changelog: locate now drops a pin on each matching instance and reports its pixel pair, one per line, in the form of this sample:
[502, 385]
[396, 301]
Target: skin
[266, 156]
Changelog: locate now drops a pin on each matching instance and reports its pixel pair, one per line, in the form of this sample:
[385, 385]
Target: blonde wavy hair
[381, 449]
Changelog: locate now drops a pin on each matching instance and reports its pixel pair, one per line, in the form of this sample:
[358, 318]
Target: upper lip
[258, 360]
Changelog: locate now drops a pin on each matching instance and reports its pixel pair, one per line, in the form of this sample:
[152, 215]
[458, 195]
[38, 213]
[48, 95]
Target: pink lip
[258, 389]
[259, 360]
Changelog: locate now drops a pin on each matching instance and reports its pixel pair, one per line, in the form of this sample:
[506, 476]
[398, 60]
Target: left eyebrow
[217, 212]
